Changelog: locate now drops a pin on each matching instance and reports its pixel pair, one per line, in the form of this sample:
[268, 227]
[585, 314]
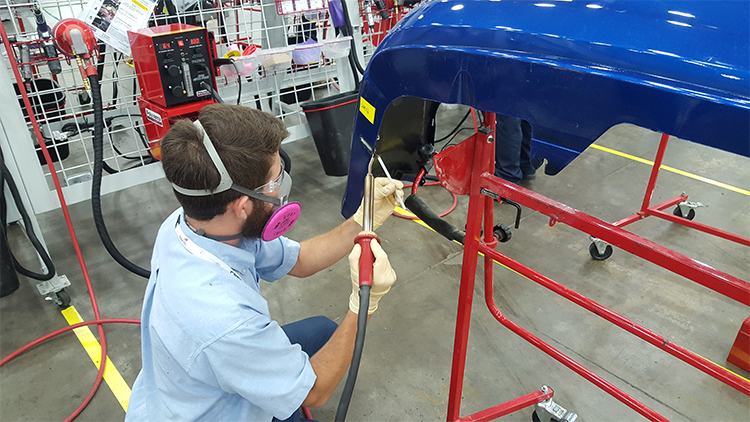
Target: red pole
[510, 406]
[469, 267]
[655, 172]
[565, 360]
[705, 365]
[692, 269]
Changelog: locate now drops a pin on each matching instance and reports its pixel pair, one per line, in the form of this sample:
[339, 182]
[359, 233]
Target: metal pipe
[692, 269]
[567, 361]
[685, 355]
[368, 200]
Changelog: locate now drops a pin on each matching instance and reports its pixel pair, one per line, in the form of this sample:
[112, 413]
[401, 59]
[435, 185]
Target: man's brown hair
[245, 139]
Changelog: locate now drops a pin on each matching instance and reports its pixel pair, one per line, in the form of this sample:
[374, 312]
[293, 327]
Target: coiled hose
[6, 177]
[96, 184]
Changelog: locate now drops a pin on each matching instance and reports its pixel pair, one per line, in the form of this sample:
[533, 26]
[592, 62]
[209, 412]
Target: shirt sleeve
[274, 259]
[257, 361]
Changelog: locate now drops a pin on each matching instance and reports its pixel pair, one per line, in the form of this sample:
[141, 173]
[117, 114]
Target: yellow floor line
[673, 170]
[112, 377]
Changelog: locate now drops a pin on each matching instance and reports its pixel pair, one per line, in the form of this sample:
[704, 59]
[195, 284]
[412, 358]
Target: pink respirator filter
[281, 221]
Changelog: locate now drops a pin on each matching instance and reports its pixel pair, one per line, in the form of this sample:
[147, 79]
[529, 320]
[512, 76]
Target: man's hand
[383, 277]
[384, 201]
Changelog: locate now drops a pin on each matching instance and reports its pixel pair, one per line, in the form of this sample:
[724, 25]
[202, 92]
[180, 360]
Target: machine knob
[177, 91]
[173, 70]
[168, 56]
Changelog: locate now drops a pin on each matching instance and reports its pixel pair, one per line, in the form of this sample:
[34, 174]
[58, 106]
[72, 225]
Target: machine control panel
[173, 64]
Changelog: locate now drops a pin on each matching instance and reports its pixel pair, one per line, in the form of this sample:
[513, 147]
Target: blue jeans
[310, 333]
[512, 148]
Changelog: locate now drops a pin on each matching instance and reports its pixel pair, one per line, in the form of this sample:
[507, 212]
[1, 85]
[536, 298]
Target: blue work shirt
[209, 347]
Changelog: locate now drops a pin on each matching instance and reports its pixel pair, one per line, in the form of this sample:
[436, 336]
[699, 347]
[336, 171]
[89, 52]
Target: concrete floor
[405, 371]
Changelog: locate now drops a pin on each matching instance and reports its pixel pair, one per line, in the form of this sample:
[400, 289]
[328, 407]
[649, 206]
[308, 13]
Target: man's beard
[253, 227]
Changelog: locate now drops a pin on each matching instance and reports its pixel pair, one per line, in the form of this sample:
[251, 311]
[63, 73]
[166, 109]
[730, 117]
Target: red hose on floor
[71, 231]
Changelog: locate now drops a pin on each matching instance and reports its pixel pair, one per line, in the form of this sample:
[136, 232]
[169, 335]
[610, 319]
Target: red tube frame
[657, 211]
[481, 207]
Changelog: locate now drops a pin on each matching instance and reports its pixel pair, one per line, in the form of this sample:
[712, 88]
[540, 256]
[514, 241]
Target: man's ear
[241, 207]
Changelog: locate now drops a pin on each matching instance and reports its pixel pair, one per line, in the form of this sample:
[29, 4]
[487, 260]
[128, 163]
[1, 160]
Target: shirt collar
[238, 258]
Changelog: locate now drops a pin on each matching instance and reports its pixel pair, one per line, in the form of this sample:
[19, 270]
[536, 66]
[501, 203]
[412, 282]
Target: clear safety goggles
[275, 184]
[283, 183]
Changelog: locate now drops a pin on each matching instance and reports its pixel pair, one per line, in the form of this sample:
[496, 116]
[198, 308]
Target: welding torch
[366, 262]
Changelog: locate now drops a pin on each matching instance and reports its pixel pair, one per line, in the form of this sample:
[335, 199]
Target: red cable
[69, 223]
[450, 210]
[65, 330]
[418, 180]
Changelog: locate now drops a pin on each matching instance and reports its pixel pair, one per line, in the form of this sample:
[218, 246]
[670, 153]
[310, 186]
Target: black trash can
[331, 122]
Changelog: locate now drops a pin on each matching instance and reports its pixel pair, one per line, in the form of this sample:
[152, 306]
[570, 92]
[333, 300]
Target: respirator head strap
[226, 181]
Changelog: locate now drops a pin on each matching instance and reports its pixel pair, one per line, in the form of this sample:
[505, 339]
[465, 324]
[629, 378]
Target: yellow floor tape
[673, 170]
[112, 377]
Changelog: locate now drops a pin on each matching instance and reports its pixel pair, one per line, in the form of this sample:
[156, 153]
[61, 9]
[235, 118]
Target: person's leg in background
[508, 141]
[310, 333]
[528, 170]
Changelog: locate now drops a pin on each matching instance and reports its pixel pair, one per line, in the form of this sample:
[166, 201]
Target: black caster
[502, 232]
[62, 298]
[594, 252]
[678, 212]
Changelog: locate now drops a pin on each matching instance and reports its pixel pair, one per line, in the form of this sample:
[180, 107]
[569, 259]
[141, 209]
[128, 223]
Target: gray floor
[405, 372]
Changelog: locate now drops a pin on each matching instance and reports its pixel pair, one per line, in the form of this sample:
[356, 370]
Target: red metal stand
[657, 211]
[477, 156]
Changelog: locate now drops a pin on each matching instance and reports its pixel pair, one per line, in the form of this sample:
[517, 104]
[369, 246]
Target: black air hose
[6, 177]
[359, 344]
[348, 30]
[96, 183]
[421, 210]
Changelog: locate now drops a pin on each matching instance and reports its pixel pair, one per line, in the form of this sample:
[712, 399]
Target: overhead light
[679, 23]
[683, 14]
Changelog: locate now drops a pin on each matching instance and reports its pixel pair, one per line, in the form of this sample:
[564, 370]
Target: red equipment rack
[469, 166]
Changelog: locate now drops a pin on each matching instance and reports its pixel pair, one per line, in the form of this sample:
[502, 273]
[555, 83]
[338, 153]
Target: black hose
[349, 31]
[239, 81]
[421, 210]
[455, 129]
[96, 183]
[6, 177]
[359, 343]
[213, 92]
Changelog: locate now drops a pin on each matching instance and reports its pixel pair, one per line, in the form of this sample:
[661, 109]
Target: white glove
[384, 202]
[383, 277]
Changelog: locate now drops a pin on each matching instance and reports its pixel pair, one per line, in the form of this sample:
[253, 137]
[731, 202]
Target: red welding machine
[174, 64]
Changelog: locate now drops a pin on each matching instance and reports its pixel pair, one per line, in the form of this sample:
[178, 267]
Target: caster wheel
[62, 298]
[594, 252]
[535, 417]
[502, 232]
[678, 212]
